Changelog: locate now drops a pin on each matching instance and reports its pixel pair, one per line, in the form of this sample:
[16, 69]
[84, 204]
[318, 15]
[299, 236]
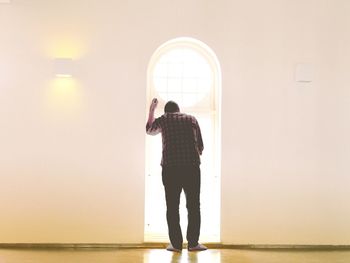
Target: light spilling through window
[186, 71]
[182, 75]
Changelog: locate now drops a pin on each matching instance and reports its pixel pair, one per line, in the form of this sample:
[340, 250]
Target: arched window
[186, 71]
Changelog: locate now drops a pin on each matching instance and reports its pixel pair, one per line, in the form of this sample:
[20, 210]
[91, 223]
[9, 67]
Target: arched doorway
[187, 71]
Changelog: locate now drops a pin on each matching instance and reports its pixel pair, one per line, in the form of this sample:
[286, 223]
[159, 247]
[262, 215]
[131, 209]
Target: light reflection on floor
[161, 255]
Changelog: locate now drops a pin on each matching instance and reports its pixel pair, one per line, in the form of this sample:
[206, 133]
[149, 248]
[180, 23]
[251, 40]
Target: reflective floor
[163, 256]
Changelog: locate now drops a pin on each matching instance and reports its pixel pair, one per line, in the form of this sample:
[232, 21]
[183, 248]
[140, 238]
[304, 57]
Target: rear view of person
[182, 146]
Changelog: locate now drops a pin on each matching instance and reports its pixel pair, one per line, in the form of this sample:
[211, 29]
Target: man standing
[182, 146]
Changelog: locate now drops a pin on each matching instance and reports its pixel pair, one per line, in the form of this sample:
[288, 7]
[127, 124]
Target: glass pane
[184, 71]
[189, 70]
[174, 85]
[204, 85]
[189, 85]
[160, 70]
[161, 84]
[189, 99]
[175, 70]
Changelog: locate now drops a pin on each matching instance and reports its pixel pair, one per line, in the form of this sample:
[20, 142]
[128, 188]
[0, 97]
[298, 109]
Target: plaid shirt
[181, 138]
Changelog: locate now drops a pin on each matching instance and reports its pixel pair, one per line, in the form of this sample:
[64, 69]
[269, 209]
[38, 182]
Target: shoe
[171, 248]
[199, 247]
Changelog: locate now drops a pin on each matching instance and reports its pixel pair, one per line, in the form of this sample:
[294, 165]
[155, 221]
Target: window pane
[174, 85]
[189, 85]
[175, 70]
[184, 71]
[160, 70]
[161, 84]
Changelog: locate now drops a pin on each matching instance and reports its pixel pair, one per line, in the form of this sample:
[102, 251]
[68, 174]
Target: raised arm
[152, 108]
[152, 127]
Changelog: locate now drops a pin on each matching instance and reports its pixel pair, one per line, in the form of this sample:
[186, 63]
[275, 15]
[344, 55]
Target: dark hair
[171, 106]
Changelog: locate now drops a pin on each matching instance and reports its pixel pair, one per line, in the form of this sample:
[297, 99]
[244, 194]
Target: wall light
[63, 67]
[304, 72]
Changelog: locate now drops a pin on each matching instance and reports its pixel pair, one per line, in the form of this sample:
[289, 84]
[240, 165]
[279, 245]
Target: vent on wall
[304, 72]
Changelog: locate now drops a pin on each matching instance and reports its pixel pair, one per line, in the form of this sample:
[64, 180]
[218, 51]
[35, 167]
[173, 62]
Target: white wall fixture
[304, 72]
[63, 67]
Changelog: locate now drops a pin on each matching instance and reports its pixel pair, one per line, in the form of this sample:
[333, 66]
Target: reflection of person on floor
[182, 147]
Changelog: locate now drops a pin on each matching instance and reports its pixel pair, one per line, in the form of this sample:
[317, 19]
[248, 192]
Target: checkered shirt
[181, 138]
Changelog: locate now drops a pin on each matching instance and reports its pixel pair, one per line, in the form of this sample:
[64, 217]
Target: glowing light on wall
[65, 46]
[64, 97]
[63, 67]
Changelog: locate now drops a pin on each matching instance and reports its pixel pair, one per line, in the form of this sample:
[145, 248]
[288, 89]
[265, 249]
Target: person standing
[182, 146]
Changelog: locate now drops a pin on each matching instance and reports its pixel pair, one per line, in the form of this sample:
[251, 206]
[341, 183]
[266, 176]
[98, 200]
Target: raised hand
[154, 104]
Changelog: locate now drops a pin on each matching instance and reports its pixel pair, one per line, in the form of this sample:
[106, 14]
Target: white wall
[72, 154]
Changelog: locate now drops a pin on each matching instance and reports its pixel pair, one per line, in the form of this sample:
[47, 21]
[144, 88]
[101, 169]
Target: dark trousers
[174, 180]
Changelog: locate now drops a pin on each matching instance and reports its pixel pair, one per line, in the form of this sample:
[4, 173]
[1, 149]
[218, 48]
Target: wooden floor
[163, 256]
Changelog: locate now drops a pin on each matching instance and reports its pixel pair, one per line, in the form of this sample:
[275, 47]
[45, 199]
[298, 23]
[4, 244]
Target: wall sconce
[304, 72]
[63, 67]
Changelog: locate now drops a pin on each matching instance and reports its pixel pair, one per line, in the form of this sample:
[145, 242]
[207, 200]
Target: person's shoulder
[189, 117]
[160, 119]
[163, 116]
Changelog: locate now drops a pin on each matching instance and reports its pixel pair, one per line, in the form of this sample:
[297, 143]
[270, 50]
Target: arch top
[188, 42]
[185, 70]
